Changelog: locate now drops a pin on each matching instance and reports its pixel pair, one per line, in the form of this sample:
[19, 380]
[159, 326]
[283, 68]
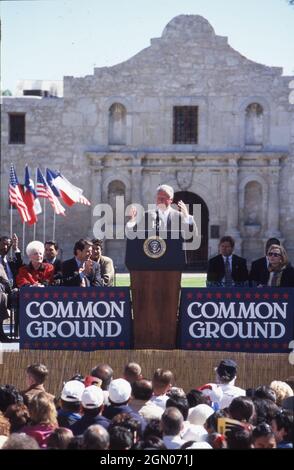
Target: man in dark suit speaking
[164, 219]
[227, 269]
[81, 271]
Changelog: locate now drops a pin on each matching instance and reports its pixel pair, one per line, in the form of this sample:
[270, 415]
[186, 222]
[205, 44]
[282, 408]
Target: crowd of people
[99, 411]
[87, 268]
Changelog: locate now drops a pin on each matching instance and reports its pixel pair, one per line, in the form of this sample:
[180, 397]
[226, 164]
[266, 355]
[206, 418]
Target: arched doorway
[196, 259]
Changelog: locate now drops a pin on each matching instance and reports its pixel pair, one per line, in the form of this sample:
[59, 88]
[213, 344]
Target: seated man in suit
[227, 269]
[81, 271]
[51, 253]
[259, 273]
[106, 264]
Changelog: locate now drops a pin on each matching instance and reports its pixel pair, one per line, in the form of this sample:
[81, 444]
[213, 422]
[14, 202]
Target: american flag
[16, 197]
[44, 190]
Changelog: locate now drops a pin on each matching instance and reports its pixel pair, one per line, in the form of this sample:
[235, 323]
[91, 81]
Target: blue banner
[239, 320]
[70, 318]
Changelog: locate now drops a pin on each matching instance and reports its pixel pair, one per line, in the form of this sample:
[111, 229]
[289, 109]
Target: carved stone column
[233, 199]
[273, 214]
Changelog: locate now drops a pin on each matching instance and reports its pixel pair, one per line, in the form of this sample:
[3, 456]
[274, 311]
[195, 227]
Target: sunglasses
[275, 255]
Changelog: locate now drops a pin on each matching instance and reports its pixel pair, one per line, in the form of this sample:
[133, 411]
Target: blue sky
[47, 39]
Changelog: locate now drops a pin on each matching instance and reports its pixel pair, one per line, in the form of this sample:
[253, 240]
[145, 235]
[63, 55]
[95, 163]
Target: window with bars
[17, 128]
[185, 129]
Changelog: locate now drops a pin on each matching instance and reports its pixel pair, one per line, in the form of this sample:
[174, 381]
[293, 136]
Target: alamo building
[188, 111]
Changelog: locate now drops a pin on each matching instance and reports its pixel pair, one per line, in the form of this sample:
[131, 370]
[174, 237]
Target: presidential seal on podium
[154, 247]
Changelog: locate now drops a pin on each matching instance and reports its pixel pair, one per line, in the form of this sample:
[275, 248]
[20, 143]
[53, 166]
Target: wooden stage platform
[191, 368]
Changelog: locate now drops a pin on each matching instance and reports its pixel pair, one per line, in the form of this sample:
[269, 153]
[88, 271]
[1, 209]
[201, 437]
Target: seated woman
[36, 273]
[281, 273]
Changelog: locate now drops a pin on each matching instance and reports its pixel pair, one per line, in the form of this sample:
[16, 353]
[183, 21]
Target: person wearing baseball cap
[92, 404]
[71, 396]
[226, 374]
[120, 392]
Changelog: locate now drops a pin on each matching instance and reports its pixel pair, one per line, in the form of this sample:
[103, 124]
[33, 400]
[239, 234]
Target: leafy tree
[6, 93]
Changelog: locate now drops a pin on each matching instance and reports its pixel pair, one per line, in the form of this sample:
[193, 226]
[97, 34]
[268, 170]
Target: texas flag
[31, 199]
[69, 193]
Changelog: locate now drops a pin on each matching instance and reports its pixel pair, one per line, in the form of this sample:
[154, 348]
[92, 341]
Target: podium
[155, 267]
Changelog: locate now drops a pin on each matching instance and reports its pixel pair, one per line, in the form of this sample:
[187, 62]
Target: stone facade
[112, 134]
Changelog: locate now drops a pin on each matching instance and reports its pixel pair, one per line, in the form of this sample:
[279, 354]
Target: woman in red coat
[36, 273]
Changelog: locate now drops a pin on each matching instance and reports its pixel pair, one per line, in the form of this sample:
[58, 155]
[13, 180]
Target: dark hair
[265, 392]
[97, 242]
[103, 372]
[242, 409]
[211, 422]
[239, 438]
[284, 419]
[153, 428]
[18, 415]
[59, 438]
[81, 244]
[142, 389]
[196, 397]
[271, 241]
[120, 438]
[152, 442]
[9, 395]
[181, 403]
[228, 239]
[262, 430]
[52, 242]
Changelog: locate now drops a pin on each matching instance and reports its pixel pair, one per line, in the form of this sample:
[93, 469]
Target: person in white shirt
[226, 378]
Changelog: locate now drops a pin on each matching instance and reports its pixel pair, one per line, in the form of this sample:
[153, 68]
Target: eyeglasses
[275, 255]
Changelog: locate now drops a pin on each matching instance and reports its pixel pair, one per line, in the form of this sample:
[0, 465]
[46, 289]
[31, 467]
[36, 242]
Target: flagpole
[23, 236]
[44, 221]
[11, 220]
[34, 233]
[54, 223]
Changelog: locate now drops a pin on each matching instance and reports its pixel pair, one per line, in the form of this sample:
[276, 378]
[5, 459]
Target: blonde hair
[42, 410]
[283, 253]
[282, 391]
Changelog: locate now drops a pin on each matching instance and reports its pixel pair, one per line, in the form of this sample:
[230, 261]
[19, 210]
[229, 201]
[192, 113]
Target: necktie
[228, 274]
[275, 279]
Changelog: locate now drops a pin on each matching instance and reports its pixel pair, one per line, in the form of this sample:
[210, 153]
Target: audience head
[5, 245]
[96, 438]
[51, 249]
[20, 441]
[105, 373]
[277, 256]
[132, 372]
[172, 422]
[35, 252]
[282, 390]
[42, 410]
[263, 437]
[18, 415]
[59, 438]
[97, 249]
[36, 374]
[226, 245]
[119, 392]
[226, 371]
[162, 381]
[9, 395]
[83, 249]
[142, 389]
